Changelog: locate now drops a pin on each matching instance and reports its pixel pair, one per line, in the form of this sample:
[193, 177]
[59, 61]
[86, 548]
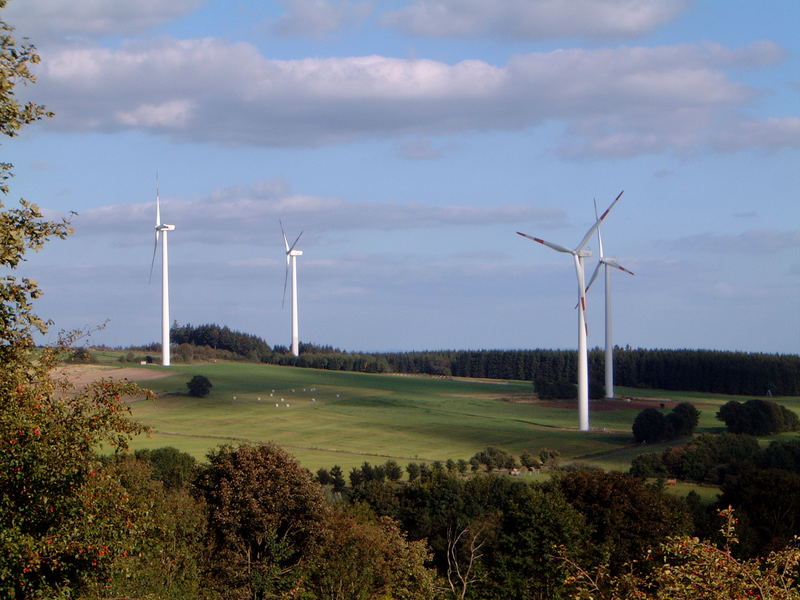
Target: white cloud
[173, 113]
[614, 102]
[768, 133]
[45, 20]
[534, 19]
[242, 213]
[319, 17]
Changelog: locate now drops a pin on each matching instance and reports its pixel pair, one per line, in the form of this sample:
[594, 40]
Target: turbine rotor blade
[285, 241]
[295, 242]
[616, 265]
[600, 219]
[581, 283]
[546, 243]
[591, 280]
[599, 235]
[594, 275]
[158, 203]
[153, 262]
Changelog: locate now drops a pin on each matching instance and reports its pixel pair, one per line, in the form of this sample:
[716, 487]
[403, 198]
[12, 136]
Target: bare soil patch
[82, 375]
[615, 404]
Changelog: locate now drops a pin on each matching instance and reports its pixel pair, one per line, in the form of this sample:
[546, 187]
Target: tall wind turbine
[291, 260]
[606, 262]
[161, 232]
[578, 254]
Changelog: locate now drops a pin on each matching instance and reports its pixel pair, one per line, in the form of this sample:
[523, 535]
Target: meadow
[332, 417]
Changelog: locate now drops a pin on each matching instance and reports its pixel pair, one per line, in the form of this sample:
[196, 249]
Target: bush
[82, 356]
[529, 460]
[199, 386]
[709, 458]
[757, 417]
[683, 420]
[549, 457]
[556, 390]
[495, 458]
[648, 465]
[649, 426]
[653, 426]
[173, 468]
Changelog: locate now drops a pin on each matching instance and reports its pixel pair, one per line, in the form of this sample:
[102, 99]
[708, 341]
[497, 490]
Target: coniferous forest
[711, 371]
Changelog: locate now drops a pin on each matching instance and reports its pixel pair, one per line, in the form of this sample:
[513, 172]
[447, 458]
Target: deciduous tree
[695, 569]
[62, 518]
[264, 511]
[359, 557]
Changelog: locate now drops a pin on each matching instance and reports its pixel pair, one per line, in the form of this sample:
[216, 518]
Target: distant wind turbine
[291, 260]
[578, 254]
[606, 262]
[162, 230]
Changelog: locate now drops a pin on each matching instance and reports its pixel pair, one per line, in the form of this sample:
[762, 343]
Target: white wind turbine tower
[578, 254]
[606, 262]
[161, 231]
[291, 260]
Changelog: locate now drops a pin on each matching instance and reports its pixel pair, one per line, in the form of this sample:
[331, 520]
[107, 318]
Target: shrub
[757, 417]
[82, 356]
[173, 468]
[556, 390]
[199, 386]
[549, 457]
[653, 426]
[648, 465]
[649, 426]
[495, 458]
[529, 460]
[683, 420]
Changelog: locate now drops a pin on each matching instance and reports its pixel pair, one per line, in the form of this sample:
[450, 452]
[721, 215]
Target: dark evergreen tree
[199, 386]
[757, 417]
[649, 426]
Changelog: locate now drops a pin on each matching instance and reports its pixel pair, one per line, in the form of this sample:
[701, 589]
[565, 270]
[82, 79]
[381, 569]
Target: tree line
[218, 337]
[553, 372]
[710, 371]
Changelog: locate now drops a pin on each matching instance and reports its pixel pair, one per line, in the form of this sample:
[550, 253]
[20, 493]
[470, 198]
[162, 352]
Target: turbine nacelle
[165, 228]
[295, 253]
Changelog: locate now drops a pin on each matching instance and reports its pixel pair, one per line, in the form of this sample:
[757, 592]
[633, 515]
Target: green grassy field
[332, 417]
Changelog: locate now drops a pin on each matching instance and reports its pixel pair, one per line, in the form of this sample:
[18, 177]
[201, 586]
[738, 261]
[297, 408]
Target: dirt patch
[615, 404]
[524, 399]
[81, 375]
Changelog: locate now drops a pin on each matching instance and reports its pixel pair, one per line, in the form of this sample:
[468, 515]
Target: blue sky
[409, 140]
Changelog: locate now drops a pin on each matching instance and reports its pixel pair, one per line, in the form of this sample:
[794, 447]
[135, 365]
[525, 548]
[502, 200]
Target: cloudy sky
[409, 140]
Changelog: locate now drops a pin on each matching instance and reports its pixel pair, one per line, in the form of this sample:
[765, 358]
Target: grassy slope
[358, 417]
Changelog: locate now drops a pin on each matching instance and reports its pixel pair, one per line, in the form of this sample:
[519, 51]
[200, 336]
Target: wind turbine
[606, 262]
[291, 260]
[162, 230]
[578, 254]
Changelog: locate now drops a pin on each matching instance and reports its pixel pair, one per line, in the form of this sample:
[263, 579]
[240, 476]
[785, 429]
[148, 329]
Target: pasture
[333, 417]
